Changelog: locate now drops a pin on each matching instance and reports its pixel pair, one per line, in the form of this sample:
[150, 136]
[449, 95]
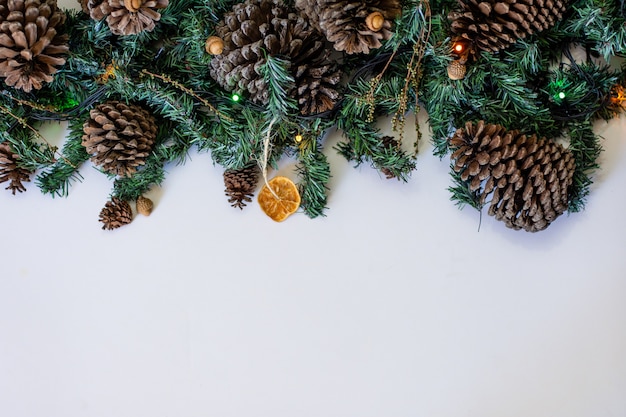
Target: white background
[396, 304]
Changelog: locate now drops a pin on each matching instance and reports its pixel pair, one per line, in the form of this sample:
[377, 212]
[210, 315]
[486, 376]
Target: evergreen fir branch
[151, 174]
[602, 22]
[184, 89]
[509, 87]
[33, 155]
[461, 193]
[280, 82]
[235, 144]
[172, 143]
[58, 178]
[580, 91]
[586, 148]
[365, 144]
[411, 24]
[34, 150]
[527, 57]
[314, 171]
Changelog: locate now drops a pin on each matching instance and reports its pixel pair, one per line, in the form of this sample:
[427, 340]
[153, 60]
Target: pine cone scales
[119, 137]
[344, 22]
[240, 185]
[116, 213]
[31, 45]
[10, 171]
[316, 92]
[528, 178]
[127, 17]
[256, 28]
[493, 25]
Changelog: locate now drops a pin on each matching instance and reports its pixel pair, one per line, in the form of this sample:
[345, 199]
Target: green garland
[534, 86]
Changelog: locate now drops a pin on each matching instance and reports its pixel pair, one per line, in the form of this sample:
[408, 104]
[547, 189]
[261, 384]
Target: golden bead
[214, 45]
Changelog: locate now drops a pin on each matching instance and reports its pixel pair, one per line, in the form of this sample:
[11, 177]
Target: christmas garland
[141, 83]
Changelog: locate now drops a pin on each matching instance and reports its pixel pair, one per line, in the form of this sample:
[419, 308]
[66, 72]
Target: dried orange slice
[282, 202]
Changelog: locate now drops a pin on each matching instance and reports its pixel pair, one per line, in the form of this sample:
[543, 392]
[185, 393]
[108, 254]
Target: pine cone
[258, 27]
[116, 213]
[493, 25]
[316, 90]
[240, 185]
[352, 26]
[127, 17]
[389, 142]
[84, 5]
[32, 47]
[119, 137]
[10, 171]
[528, 178]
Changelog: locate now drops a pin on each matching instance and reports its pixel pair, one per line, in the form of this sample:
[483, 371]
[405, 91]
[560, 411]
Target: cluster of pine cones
[255, 28]
[526, 178]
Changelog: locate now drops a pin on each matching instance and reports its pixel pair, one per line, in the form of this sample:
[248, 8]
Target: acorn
[456, 70]
[144, 205]
[133, 5]
[375, 21]
[214, 45]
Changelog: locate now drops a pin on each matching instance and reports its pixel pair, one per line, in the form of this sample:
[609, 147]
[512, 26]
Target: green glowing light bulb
[561, 95]
[235, 97]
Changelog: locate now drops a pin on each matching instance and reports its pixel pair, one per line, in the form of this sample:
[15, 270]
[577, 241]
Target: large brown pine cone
[527, 178]
[10, 170]
[119, 136]
[256, 28]
[115, 213]
[493, 25]
[241, 184]
[127, 17]
[352, 26]
[32, 45]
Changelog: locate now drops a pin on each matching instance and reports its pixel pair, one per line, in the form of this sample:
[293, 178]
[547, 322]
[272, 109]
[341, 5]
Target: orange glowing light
[618, 96]
[458, 47]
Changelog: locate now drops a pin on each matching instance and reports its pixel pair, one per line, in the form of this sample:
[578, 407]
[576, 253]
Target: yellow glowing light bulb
[298, 138]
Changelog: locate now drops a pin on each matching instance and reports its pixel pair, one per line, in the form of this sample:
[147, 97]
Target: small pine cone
[493, 25]
[84, 5]
[119, 137]
[240, 185]
[116, 213]
[389, 142]
[10, 171]
[32, 43]
[528, 178]
[127, 17]
[352, 26]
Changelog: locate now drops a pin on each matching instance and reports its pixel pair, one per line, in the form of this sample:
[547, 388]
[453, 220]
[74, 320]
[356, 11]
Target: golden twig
[181, 87]
[23, 122]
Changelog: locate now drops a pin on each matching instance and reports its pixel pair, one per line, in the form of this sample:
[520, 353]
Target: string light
[561, 95]
[235, 97]
[618, 95]
[298, 138]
